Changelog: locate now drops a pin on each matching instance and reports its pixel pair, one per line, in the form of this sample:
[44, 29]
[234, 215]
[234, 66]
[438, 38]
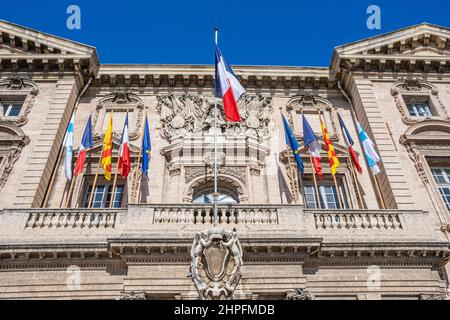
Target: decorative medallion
[216, 263]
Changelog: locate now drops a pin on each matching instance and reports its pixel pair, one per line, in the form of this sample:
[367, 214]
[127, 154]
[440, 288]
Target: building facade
[357, 237]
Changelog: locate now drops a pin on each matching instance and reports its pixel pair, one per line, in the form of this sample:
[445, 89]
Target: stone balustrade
[72, 218]
[356, 219]
[204, 214]
[160, 214]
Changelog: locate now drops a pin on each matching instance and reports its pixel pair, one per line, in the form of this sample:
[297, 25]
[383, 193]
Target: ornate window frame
[423, 147]
[119, 101]
[230, 178]
[10, 148]
[309, 103]
[414, 87]
[17, 87]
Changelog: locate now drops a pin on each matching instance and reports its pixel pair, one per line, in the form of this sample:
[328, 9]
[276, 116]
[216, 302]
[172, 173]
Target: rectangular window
[11, 108]
[442, 178]
[103, 196]
[328, 195]
[421, 109]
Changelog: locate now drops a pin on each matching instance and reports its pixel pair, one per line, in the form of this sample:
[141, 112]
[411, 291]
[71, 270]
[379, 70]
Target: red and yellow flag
[332, 157]
[107, 149]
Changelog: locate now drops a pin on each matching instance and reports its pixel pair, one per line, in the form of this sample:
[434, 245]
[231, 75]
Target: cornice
[202, 76]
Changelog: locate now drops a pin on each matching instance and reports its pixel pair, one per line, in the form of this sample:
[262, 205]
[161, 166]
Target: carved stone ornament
[299, 294]
[120, 101]
[216, 263]
[209, 159]
[187, 114]
[420, 88]
[132, 296]
[12, 141]
[192, 173]
[310, 103]
[22, 89]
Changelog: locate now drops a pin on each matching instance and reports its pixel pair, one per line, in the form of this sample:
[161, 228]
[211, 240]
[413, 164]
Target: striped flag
[349, 144]
[369, 150]
[332, 157]
[107, 149]
[69, 149]
[310, 141]
[124, 152]
[86, 143]
[228, 88]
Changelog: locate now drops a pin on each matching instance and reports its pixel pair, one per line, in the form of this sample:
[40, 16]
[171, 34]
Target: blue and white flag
[369, 150]
[69, 149]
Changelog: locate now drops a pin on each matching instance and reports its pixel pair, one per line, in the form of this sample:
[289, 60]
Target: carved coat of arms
[216, 263]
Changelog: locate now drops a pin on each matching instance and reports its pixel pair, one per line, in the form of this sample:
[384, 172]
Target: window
[419, 106]
[102, 196]
[206, 197]
[327, 194]
[10, 108]
[419, 109]
[442, 178]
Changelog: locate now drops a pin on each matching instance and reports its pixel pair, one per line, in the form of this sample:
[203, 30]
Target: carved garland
[411, 86]
[19, 87]
[119, 101]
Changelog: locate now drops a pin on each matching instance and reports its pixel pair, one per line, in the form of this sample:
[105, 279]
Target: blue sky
[299, 33]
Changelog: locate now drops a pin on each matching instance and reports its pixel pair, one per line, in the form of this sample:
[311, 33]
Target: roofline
[48, 34]
[393, 32]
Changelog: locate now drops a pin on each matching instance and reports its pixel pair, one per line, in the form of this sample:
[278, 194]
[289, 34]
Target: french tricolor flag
[228, 88]
[124, 152]
[310, 141]
[86, 143]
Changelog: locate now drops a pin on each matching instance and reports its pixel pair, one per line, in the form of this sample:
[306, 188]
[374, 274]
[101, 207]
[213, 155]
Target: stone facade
[390, 241]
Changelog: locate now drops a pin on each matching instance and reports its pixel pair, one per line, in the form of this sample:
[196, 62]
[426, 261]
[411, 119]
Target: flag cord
[215, 195]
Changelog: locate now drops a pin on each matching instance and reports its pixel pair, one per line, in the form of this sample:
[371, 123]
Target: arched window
[205, 196]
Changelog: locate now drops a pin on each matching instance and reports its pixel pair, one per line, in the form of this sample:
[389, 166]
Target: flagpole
[314, 176]
[72, 183]
[216, 194]
[95, 179]
[291, 169]
[113, 195]
[355, 119]
[334, 176]
[355, 180]
[136, 172]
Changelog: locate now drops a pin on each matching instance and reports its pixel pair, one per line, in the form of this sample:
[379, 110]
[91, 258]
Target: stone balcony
[166, 218]
[148, 229]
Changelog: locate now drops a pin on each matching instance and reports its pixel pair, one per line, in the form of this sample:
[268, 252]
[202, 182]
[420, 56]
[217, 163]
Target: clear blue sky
[276, 32]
